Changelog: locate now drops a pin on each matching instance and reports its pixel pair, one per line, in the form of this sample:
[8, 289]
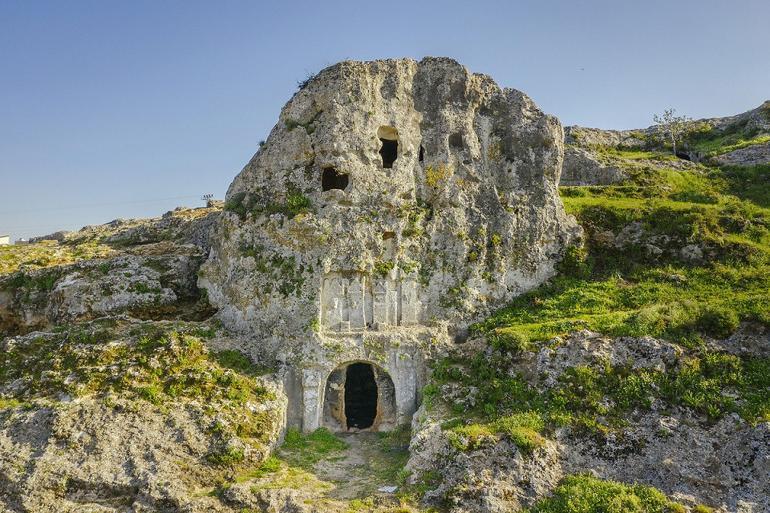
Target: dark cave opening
[389, 152]
[332, 179]
[360, 396]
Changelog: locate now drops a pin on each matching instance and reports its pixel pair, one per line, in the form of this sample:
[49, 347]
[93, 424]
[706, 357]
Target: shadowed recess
[360, 396]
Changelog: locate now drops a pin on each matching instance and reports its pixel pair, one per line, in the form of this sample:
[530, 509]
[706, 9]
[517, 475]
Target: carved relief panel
[351, 302]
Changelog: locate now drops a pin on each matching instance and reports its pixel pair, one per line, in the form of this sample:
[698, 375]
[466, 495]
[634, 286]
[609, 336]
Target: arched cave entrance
[359, 395]
[389, 150]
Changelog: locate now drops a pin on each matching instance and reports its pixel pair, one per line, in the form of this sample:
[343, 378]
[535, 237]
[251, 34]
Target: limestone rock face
[582, 168]
[148, 269]
[689, 457]
[749, 156]
[391, 194]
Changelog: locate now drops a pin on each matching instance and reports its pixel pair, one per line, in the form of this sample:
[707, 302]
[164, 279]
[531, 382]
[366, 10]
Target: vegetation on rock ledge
[585, 494]
[635, 277]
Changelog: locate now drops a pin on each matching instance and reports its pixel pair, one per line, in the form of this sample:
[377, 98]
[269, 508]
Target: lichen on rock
[465, 216]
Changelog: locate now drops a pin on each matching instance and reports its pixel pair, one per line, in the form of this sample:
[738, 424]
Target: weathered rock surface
[749, 156]
[466, 216]
[495, 478]
[393, 198]
[66, 446]
[150, 272]
[592, 137]
[755, 119]
[688, 457]
[144, 286]
[582, 168]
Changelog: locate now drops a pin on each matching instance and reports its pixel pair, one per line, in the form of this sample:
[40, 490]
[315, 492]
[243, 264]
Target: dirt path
[355, 465]
[366, 465]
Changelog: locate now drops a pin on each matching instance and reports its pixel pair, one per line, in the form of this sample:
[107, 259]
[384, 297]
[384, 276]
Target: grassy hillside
[694, 261]
[680, 255]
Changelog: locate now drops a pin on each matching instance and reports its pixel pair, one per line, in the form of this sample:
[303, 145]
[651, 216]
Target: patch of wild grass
[630, 291]
[305, 450]
[157, 364]
[48, 254]
[586, 494]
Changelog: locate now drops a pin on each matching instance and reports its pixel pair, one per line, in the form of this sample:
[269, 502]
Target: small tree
[673, 128]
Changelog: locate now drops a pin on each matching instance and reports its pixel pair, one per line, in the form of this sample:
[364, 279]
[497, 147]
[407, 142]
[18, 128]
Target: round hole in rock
[683, 155]
[332, 179]
[388, 136]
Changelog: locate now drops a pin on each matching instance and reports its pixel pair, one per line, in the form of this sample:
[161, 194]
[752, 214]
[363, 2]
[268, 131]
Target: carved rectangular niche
[356, 301]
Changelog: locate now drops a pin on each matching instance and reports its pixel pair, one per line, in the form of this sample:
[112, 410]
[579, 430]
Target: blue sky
[125, 109]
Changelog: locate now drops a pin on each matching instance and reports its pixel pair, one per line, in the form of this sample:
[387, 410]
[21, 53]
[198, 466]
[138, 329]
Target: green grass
[390, 457]
[48, 254]
[112, 359]
[305, 450]
[709, 383]
[751, 183]
[632, 154]
[730, 142]
[736, 136]
[143, 365]
[523, 429]
[585, 494]
[237, 361]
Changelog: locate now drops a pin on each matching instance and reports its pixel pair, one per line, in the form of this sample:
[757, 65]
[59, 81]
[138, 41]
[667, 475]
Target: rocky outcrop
[582, 168]
[593, 137]
[519, 479]
[749, 156]
[754, 120]
[392, 200]
[467, 215]
[147, 287]
[691, 458]
[151, 272]
[118, 416]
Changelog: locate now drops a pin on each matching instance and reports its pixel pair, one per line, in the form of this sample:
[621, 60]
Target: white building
[5, 240]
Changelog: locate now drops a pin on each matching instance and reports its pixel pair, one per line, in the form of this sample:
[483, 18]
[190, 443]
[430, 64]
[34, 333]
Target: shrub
[227, 456]
[586, 494]
[236, 203]
[236, 361]
[269, 466]
[508, 339]
[720, 321]
[575, 262]
[523, 429]
[383, 267]
[435, 175]
[470, 437]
